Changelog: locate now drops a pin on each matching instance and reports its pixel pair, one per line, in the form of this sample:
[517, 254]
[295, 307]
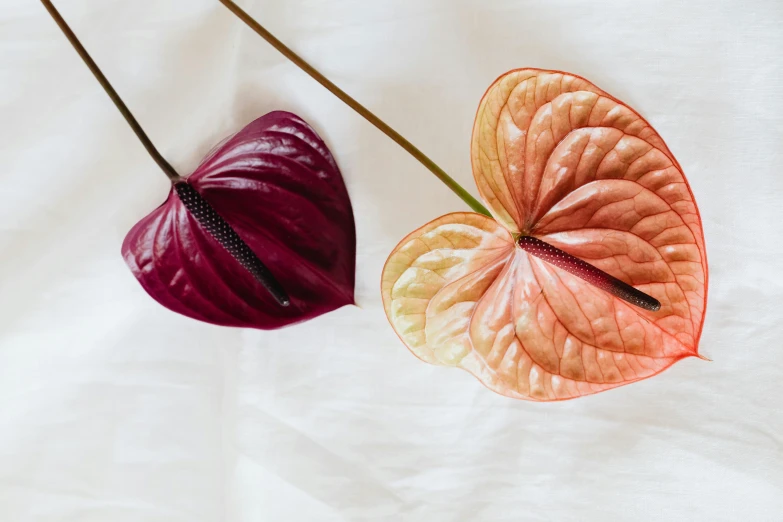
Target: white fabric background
[115, 409]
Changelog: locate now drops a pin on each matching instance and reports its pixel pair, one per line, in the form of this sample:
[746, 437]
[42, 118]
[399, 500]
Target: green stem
[358, 107]
[159, 159]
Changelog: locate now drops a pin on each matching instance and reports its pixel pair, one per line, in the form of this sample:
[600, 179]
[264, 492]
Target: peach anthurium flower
[582, 191]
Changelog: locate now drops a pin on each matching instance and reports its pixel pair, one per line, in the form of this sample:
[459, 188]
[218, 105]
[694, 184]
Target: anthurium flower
[273, 184]
[591, 272]
[261, 235]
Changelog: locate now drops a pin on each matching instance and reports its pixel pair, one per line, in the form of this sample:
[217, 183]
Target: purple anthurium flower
[261, 235]
[276, 185]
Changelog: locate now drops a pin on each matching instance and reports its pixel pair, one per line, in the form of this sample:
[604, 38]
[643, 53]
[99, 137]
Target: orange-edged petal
[556, 158]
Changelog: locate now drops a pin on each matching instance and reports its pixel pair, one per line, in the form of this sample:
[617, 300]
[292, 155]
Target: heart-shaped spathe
[277, 185]
[556, 159]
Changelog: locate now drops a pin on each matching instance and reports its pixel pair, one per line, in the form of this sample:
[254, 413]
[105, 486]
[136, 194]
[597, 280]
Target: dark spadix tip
[223, 233]
[587, 272]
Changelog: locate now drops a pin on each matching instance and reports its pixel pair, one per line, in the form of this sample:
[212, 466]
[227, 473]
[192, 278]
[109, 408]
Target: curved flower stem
[159, 159]
[358, 107]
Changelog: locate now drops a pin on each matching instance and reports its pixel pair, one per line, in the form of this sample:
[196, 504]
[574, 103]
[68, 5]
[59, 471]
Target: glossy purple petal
[277, 185]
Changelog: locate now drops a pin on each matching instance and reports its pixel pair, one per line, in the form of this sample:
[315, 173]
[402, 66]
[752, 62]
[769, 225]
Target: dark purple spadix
[586, 271]
[223, 233]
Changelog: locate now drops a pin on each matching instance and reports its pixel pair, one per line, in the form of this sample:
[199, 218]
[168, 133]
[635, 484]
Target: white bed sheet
[115, 409]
